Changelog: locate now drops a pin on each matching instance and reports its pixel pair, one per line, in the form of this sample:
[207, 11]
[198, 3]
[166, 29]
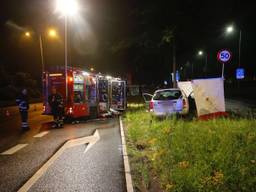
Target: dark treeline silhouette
[11, 84]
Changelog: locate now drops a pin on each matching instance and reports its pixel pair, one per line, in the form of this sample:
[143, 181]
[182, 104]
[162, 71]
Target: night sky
[126, 36]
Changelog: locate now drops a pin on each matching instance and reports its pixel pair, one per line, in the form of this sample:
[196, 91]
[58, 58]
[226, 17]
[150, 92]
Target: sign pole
[222, 71]
[223, 56]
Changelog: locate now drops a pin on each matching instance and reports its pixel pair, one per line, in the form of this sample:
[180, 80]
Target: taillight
[151, 105]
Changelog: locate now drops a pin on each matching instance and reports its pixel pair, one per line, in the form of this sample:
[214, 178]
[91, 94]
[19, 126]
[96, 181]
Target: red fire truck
[118, 94]
[88, 95]
[81, 98]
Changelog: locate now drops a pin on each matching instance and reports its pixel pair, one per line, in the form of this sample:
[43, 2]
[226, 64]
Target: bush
[215, 155]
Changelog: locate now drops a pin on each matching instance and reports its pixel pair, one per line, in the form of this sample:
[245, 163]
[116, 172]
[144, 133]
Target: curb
[128, 177]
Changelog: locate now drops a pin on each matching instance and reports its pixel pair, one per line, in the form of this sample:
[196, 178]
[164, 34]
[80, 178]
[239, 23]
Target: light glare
[229, 29]
[200, 52]
[108, 77]
[27, 34]
[86, 73]
[67, 7]
[52, 33]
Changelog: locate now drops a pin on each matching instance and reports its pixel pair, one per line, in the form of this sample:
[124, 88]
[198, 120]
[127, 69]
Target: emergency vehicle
[118, 94]
[81, 98]
[88, 95]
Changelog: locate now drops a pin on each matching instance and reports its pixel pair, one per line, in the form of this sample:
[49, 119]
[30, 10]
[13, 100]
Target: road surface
[98, 169]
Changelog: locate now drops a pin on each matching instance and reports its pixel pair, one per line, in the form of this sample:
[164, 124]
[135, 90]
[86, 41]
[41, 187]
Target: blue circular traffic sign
[224, 56]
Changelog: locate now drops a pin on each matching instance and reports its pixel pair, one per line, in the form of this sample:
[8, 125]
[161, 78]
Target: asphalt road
[10, 126]
[240, 107]
[99, 169]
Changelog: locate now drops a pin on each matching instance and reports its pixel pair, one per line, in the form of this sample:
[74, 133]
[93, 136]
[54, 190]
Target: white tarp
[186, 87]
[209, 95]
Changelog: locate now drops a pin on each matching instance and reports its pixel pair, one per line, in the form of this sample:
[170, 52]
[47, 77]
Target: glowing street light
[91, 69]
[200, 52]
[52, 33]
[67, 7]
[229, 29]
[27, 34]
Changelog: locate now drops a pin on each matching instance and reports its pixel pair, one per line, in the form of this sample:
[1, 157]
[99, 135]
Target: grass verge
[180, 155]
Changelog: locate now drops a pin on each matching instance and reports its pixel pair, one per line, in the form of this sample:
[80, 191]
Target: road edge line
[128, 177]
[68, 144]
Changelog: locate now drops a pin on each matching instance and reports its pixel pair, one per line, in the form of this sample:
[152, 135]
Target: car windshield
[167, 95]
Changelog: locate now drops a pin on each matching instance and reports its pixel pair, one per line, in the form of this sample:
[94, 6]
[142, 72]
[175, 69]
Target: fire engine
[88, 95]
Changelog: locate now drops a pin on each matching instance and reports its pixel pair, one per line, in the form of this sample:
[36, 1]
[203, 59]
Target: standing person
[55, 101]
[23, 104]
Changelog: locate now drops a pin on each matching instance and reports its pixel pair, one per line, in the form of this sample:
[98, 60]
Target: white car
[166, 102]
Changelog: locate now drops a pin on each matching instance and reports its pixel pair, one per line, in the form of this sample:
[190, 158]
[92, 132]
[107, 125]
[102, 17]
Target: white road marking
[68, 144]
[41, 134]
[128, 177]
[14, 149]
[97, 138]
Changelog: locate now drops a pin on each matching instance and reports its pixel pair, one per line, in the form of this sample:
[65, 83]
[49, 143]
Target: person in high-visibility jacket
[23, 104]
[55, 101]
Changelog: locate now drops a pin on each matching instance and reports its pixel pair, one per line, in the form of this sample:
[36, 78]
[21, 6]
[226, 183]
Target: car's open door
[147, 98]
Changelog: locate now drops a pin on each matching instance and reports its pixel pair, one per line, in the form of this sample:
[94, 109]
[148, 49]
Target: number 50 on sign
[224, 56]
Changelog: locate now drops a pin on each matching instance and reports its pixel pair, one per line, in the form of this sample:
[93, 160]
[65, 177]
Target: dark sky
[121, 36]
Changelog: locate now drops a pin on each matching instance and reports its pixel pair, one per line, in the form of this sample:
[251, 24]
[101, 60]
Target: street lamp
[52, 33]
[91, 69]
[230, 29]
[66, 8]
[201, 53]
[27, 34]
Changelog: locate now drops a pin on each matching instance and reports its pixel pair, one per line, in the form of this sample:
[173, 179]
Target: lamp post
[52, 33]
[42, 54]
[66, 8]
[201, 53]
[229, 30]
[66, 52]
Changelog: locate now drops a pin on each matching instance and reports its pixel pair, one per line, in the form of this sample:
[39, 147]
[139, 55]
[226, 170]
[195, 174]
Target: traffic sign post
[222, 73]
[224, 56]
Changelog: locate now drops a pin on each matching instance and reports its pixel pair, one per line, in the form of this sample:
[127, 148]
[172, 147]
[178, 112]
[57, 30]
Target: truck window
[79, 96]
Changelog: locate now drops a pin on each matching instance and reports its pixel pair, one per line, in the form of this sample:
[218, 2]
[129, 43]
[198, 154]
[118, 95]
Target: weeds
[215, 155]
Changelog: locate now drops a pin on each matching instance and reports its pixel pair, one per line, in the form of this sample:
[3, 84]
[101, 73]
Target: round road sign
[224, 56]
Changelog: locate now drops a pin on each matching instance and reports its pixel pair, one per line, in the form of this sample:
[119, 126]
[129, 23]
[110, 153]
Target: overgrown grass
[216, 155]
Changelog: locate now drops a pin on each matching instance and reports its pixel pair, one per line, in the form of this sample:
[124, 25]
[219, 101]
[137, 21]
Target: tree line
[11, 84]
